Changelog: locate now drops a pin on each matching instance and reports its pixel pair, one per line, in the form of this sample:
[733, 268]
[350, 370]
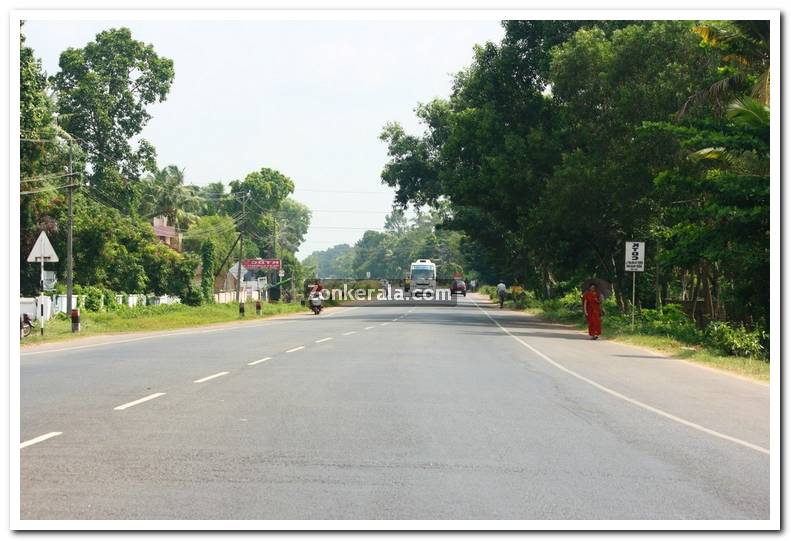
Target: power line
[352, 211]
[201, 233]
[45, 177]
[26, 140]
[49, 189]
[342, 227]
[340, 191]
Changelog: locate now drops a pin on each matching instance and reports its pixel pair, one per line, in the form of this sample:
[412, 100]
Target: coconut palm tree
[744, 49]
[747, 112]
[165, 194]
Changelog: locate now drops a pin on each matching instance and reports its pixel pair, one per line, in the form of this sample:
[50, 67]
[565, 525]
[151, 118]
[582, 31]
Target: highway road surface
[382, 412]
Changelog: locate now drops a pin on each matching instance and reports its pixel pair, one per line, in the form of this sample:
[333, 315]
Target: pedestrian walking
[591, 305]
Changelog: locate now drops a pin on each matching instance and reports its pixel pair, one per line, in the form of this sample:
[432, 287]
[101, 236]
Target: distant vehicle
[458, 287]
[422, 277]
[316, 302]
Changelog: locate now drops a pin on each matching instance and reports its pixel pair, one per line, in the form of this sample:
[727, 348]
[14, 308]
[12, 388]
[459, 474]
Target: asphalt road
[420, 412]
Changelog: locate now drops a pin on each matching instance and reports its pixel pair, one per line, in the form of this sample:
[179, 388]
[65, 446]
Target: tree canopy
[569, 138]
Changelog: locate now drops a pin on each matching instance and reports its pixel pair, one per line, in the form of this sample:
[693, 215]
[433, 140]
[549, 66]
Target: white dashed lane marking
[139, 401]
[259, 361]
[348, 333]
[292, 350]
[207, 378]
[39, 439]
[324, 340]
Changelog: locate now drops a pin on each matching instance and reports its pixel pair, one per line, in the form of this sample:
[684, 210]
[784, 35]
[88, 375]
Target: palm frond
[761, 88]
[749, 111]
[710, 153]
[718, 92]
[738, 58]
[756, 30]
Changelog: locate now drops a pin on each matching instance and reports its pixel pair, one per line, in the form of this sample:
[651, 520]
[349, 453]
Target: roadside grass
[745, 366]
[152, 318]
[615, 328]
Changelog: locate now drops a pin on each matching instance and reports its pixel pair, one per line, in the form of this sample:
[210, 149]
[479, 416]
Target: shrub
[732, 340]
[109, 300]
[490, 291]
[572, 301]
[93, 298]
[524, 299]
[192, 297]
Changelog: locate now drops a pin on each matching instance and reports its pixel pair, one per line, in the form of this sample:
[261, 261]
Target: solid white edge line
[350, 332]
[324, 340]
[39, 439]
[259, 361]
[625, 398]
[292, 350]
[207, 378]
[139, 401]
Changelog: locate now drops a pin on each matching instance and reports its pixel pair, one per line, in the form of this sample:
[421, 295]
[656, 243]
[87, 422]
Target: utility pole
[241, 245]
[277, 274]
[69, 237]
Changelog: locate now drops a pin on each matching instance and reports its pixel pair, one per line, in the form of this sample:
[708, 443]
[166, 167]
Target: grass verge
[152, 318]
[753, 368]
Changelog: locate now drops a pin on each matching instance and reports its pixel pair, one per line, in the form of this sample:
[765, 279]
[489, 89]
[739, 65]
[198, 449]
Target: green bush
[490, 291]
[109, 300]
[572, 301]
[192, 297]
[732, 340]
[93, 298]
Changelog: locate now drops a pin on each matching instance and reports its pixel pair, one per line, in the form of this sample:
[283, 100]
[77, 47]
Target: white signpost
[42, 252]
[635, 262]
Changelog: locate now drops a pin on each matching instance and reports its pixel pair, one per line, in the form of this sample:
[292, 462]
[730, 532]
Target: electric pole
[241, 245]
[69, 236]
[277, 274]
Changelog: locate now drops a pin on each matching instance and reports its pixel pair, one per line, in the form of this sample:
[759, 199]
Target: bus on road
[423, 277]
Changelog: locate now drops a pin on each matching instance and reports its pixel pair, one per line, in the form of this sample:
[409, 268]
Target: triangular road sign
[42, 250]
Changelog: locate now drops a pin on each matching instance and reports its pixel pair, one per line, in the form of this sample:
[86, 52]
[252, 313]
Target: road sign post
[635, 262]
[280, 274]
[42, 251]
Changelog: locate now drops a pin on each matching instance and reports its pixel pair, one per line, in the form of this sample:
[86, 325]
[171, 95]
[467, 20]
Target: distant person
[591, 305]
[501, 287]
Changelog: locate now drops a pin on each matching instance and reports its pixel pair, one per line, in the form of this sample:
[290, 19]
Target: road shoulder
[132, 336]
[625, 341]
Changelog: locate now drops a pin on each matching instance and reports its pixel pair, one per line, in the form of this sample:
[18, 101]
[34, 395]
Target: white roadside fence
[57, 303]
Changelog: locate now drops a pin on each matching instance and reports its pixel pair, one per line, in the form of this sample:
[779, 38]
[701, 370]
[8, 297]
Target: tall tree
[102, 91]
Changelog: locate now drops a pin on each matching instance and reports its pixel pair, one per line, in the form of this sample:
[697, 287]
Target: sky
[308, 98]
